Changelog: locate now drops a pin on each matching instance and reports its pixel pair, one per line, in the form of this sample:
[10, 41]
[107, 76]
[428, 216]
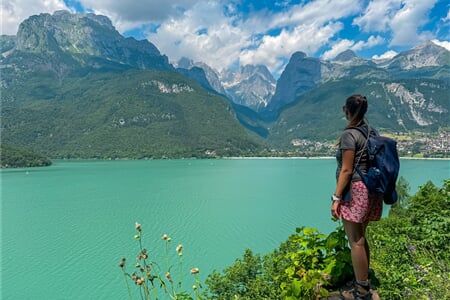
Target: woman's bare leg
[359, 249]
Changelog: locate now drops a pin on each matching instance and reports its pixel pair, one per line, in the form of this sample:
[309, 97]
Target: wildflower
[179, 248]
[194, 287]
[138, 265]
[140, 281]
[138, 227]
[180, 254]
[167, 275]
[164, 236]
[134, 276]
[136, 236]
[195, 271]
[122, 262]
[142, 255]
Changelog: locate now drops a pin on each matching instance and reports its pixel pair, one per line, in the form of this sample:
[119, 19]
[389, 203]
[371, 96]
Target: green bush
[410, 248]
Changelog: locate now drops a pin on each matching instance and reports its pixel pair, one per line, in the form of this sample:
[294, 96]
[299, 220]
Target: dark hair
[357, 108]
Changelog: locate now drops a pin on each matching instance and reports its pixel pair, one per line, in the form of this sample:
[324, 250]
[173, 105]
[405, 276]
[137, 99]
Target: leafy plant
[303, 267]
[410, 248]
[313, 263]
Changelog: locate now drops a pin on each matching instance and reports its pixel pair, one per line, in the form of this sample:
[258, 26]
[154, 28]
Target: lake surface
[65, 228]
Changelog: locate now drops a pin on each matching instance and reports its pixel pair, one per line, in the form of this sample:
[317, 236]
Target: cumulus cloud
[345, 44]
[408, 19]
[403, 18]
[302, 27]
[203, 33]
[445, 44]
[220, 34]
[377, 16]
[386, 55]
[128, 14]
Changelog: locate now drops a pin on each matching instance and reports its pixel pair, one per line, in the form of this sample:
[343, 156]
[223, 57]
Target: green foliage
[313, 262]
[303, 267]
[410, 248]
[128, 114]
[21, 158]
[248, 278]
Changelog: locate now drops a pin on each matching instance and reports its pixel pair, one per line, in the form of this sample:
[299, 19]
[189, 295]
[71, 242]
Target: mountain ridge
[77, 64]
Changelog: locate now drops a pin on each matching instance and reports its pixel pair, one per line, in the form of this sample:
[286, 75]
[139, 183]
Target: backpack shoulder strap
[365, 132]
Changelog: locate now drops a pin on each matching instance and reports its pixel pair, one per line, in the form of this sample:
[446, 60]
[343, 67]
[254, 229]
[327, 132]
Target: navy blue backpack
[383, 165]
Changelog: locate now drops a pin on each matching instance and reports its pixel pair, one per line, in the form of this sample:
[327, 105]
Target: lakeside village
[421, 145]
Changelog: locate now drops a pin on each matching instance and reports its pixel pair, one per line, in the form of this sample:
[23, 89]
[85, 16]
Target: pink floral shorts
[362, 207]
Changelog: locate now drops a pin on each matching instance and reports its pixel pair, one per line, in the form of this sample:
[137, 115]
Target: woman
[356, 207]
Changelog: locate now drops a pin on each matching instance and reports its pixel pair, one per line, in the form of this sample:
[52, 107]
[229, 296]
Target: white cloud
[408, 19]
[388, 54]
[445, 44]
[219, 46]
[217, 33]
[378, 15]
[128, 14]
[402, 18]
[13, 12]
[314, 12]
[304, 28]
[273, 49]
[343, 45]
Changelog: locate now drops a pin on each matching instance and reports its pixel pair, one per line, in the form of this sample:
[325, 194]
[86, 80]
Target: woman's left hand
[335, 211]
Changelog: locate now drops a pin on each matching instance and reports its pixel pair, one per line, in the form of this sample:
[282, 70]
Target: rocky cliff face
[251, 86]
[65, 41]
[301, 74]
[304, 74]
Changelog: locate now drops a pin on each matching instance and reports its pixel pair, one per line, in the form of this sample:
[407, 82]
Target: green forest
[410, 259]
[21, 158]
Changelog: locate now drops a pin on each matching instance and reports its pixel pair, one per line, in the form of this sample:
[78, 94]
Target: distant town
[415, 145]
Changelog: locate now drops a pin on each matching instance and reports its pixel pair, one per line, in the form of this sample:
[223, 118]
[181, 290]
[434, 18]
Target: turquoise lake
[65, 228]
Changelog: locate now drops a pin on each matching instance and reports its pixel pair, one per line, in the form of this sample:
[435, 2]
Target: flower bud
[195, 271]
[138, 227]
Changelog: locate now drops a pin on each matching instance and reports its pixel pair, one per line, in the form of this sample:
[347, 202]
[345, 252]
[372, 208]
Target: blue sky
[226, 34]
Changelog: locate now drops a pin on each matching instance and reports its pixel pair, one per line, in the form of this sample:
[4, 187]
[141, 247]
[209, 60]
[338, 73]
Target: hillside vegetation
[139, 114]
[20, 158]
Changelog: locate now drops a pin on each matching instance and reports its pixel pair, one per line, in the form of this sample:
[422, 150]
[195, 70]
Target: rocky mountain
[72, 86]
[63, 43]
[304, 74]
[211, 75]
[249, 86]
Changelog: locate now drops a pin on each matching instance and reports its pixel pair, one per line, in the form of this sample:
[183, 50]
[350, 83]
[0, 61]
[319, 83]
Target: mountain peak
[345, 56]
[427, 54]
[78, 39]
